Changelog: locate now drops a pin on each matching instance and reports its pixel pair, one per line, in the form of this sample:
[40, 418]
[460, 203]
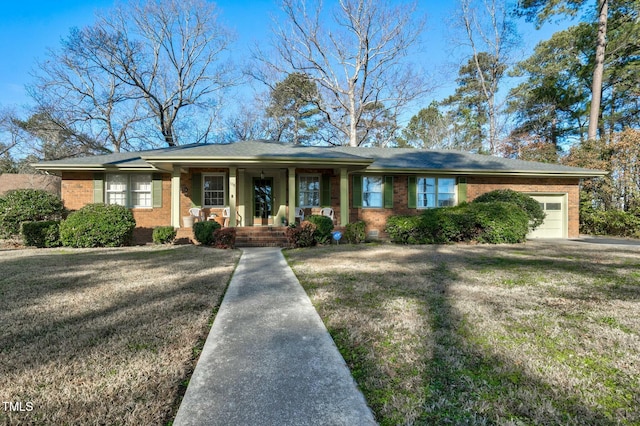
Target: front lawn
[539, 333]
[104, 336]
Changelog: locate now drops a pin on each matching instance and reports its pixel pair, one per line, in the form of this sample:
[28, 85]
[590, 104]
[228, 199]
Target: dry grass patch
[540, 333]
[104, 336]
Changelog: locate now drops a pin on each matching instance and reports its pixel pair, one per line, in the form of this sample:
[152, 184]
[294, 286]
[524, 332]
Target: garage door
[555, 224]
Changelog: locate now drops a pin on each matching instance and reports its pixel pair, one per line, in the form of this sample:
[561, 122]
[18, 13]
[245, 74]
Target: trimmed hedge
[41, 234]
[490, 222]
[203, 231]
[98, 225]
[164, 235]
[324, 226]
[524, 201]
[354, 233]
[27, 205]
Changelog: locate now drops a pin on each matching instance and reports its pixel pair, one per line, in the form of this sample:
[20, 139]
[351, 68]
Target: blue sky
[29, 27]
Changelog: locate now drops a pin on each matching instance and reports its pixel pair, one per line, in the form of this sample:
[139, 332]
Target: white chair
[197, 213]
[299, 214]
[226, 214]
[328, 211]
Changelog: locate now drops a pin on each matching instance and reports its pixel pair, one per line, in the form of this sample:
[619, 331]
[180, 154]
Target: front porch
[252, 197]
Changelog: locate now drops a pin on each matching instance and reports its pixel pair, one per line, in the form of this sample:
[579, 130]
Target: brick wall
[77, 191]
[376, 218]
[477, 185]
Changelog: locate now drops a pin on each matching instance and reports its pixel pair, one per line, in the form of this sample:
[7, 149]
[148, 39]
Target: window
[213, 190]
[140, 190]
[372, 191]
[128, 190]
[435, 192]
[116, 190]
[309, 191]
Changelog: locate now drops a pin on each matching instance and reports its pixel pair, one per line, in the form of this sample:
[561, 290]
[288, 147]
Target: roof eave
[476, 172]
[91, 168]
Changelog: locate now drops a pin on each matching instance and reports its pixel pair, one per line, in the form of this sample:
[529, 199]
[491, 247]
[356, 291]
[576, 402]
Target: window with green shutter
[356, 191]
[157, 190]
[388, 192]
[412, 193]
[98, 187]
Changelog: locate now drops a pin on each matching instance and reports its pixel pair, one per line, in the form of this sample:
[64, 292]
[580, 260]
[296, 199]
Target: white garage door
[555, 223]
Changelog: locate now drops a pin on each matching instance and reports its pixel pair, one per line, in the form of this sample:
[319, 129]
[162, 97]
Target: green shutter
[412, 192]
[156, 188]
[196, 190]
[388, 192]
[325, 191]
[98, 187]
[297, 190]
[462, 190]
[356, 191]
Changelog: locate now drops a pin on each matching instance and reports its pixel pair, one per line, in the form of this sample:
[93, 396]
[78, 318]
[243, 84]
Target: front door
[262, 199]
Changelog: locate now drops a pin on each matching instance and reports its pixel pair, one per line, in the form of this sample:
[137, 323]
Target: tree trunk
[598, 71]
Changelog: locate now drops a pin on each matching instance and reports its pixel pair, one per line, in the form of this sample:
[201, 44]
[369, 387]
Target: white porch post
[232, 197]
[344, 197]
[292, 195]
[175, 197]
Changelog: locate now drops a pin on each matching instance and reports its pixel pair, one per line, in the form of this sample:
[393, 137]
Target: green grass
[539, 333]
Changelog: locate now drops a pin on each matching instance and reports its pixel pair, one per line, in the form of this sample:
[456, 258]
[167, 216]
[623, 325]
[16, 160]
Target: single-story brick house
[260, 181]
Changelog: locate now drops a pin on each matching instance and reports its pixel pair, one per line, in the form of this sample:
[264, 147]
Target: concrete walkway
[269, 359]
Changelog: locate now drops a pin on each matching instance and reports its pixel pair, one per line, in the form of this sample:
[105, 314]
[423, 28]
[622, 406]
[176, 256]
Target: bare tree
[73, 87]
[143, 61]
[357, 55]
[489, 33]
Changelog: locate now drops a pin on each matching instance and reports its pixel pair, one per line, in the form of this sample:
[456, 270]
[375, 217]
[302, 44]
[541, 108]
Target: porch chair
[226, 214]
[197, 213]
[299, 214]
[328, 211]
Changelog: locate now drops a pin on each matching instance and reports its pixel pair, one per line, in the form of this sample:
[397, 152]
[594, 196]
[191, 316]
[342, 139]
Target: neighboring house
[260, 182]
[11, 181]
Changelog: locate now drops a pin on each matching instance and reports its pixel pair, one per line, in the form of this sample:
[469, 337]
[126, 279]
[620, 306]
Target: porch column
[232, 197]
[175, 197]
[292, 195]
[344, 197]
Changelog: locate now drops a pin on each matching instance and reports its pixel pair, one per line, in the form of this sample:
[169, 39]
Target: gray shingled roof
[374, 159]
[449, 160]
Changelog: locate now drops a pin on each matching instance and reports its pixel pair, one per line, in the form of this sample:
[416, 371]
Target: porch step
[267, 236]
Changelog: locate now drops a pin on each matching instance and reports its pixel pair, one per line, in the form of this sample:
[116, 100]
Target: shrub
[224, 238]
[524, 201]
[490, 222]
[27, 205]
[301, 235]
[610, 222]
[324, 226]
[98, 225]
[41, 234]
[164, 235]
[495, 223]
[203, 231]
[354, 233]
